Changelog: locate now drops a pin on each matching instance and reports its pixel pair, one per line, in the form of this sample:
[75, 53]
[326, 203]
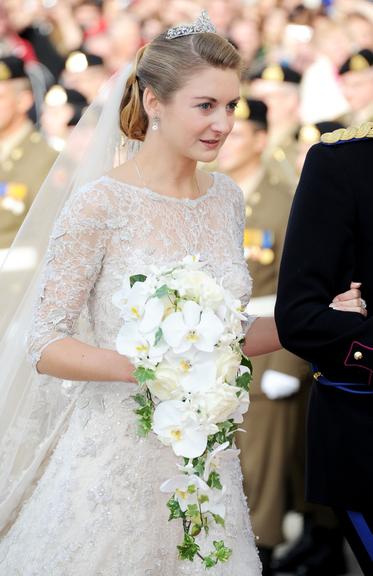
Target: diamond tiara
[202, 24]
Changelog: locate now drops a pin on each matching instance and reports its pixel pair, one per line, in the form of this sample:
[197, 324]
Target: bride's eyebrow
[214, 99]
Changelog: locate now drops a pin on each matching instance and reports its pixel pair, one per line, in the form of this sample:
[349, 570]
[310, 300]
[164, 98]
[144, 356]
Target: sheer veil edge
[34, 408]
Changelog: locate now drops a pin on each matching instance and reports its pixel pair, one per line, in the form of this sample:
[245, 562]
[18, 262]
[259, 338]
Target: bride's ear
[151, 103]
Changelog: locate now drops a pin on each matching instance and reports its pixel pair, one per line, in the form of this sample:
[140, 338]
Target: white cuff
[278, 385]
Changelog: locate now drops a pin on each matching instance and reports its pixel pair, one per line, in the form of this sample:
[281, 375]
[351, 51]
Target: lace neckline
[152, 193]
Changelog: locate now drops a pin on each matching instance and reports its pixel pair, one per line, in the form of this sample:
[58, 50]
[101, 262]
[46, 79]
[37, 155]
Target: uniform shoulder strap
[352, 133]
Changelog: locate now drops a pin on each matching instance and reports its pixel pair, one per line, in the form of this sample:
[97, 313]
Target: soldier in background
[62, 110]
[357, 85]
[85, 73]
[267, 446]
[278, 87]
[25, 158]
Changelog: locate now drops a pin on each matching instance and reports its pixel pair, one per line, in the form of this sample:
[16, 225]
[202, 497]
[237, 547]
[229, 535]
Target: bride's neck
[166, 171]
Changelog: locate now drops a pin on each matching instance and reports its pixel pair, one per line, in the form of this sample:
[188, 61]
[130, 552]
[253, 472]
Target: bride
[82, 495]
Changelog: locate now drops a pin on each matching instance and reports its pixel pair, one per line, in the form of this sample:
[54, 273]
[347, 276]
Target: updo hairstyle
[165, 66]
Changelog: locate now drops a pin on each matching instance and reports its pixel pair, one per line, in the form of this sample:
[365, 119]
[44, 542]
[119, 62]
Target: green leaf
[222, 552]
[199, 466]
[174, 508]
[142, 374]
[246, 362]
[137, 278]
[203, 498]
[193, 511]
[158, 336]
[214, 480]
[140, 399]
[196, 529]
[243, 381]
[210, 561]
[188, 549]
[162, 291]
[218, 519]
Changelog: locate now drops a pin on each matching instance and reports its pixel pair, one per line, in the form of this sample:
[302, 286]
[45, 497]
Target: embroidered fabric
[97, 509]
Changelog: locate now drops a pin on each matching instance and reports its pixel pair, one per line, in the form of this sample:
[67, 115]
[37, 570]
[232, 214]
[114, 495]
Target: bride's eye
[205, 105]
[232, 106]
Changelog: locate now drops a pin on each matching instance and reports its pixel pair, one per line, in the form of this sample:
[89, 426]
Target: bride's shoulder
[228, 186]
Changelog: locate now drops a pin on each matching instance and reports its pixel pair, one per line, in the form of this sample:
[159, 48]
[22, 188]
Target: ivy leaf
[219, 520]
[243, 381]
[158, 336]
[162, 291]
[192, 511]
[137, 278]
[246, 362]
[199, 466]
[140, 399]
[210, 561]
[214, 480]
[222, 552]
[174, 508]
[188, 549]
[196, 529]
[142, 374]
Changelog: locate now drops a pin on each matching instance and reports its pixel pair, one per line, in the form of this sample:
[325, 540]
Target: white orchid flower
[242, 407]
[177, 425]
[193, 326]
[133, 343]
[186, 489]
[196, 370]
[209, 464]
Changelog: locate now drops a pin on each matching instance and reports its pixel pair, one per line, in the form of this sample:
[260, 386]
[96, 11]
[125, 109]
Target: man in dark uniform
[266, 447]
[25, 158]
[328, 245]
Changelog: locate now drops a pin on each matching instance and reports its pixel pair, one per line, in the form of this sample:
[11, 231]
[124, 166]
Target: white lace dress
[97, 509]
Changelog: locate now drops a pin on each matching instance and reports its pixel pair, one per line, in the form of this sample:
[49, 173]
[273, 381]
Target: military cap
[277, 73]
[57, 95]
[311, 133]
[78, 61]
[252, 110]
[11, 68]
[358, 61]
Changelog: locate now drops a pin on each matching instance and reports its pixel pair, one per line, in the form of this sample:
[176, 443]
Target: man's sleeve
[319, 262]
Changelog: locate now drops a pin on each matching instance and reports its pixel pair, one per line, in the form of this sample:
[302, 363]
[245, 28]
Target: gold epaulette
[351, 133]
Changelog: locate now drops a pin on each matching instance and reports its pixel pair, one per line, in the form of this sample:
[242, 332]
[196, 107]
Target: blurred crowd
[308, 69]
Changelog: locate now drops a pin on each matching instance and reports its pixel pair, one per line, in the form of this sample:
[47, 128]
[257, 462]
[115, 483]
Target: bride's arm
[71, 359]
[261, 338]
[75, 257]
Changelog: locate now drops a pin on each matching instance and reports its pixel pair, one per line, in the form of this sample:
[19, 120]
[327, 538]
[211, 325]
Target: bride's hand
[350, 301]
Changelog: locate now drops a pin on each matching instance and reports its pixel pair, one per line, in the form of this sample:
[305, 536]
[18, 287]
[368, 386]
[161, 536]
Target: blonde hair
[165, 66]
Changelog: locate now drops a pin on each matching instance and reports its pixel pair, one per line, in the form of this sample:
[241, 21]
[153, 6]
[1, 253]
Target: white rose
[166, 383]
[221, 402]
[227, 364]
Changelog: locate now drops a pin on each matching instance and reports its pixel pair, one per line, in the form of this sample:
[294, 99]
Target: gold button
[358, 355]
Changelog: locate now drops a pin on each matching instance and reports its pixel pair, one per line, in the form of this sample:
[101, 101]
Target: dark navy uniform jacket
[329, 243]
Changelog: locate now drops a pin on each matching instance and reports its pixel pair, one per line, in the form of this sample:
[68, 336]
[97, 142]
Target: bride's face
[200, 115]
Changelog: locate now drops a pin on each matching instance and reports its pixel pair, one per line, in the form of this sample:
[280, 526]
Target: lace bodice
[97, 509]
[109, 228]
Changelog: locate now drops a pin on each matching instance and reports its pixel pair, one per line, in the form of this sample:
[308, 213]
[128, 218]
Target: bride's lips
[210, 144]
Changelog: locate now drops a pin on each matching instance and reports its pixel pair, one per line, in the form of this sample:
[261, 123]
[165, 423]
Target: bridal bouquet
[182, 331]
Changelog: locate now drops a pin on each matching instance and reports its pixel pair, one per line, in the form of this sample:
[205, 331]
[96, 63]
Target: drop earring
[155, 123]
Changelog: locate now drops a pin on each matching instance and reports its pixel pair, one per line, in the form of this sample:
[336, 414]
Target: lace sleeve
[74, 259]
